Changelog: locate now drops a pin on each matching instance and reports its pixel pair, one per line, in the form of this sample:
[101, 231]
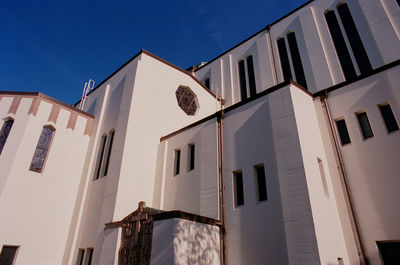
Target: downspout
[221, 185]
[353, 220]
[271, 54]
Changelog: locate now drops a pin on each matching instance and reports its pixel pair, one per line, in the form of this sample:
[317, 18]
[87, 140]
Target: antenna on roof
[89, 85]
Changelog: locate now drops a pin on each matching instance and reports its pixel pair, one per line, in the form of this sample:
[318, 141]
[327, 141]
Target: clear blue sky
[55, 46]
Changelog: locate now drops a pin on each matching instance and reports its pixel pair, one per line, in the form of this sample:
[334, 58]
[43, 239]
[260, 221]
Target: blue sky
[55, 46]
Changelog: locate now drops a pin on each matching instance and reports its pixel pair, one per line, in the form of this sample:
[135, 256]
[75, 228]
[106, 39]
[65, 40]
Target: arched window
[42, 148]
[5, 131]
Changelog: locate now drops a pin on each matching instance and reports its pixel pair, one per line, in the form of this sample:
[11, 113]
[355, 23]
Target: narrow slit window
[242, 80]
[108, 152]
[323, 177]
[252, 79]
[191, 156]
[343, 133]
[283, 55]
[207, 83]
[261, 183]
[296, 60]
[89, 256]
[177, 162]
[238, 188]
[340, 46]
[100, 157]
[79, 259]
[8, 254]
[388, 117]
[364, 125]
[5, 131]
[354, 38]
[42, 149]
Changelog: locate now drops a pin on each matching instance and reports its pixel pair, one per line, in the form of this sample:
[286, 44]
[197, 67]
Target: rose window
[187, 100]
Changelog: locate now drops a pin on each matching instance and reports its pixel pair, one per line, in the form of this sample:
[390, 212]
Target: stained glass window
[5, 131]
[41, 149]
[187, 100]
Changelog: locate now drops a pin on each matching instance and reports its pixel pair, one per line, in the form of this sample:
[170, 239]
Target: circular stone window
[187, 100]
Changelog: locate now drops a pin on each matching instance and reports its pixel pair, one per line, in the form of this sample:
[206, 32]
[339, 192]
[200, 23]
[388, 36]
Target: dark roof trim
[268, 27]
[46, 98]
[358, 78]
[186, 216]
[237, 105]
[154, 57]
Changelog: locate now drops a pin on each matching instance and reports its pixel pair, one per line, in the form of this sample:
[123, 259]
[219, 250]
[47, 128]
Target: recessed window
[42, 149]
[388, 117]
[207, 83]
[242, 80]
[364, 125]
[100, 156]
[108, 151]
[323, 177]
[177, 161]
[238, 188]
[261, 183]
[390, 252]
[191, 156]
[296, 60]
[79, 259]
[89, 256]
[343, 133]
[8, 254]
[5, 131]
[283, 55]
[250, 72]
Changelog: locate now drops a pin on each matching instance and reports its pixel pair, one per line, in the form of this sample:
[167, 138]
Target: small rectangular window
[388, 117]
[343, 133]
[108, 152]
[238, 188]
[177, 162]
[390, 252]
[207, 83]
[100, 156]
[250, 72]
[364, 125]
[7, 255]
[81, 254]
[89, 256]
[42, 149]
[5, 131]
[242, 80]
[191, 156]
[261, 183]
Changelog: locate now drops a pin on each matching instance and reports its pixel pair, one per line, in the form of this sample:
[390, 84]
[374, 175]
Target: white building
[236, 163]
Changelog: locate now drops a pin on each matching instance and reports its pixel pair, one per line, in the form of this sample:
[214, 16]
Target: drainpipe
[353, 219]
[271, 54]
[221, 185]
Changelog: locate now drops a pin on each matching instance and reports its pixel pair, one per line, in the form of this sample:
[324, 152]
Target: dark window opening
[364, 125]
[390, 252]
[343, 133]
[242, 80]
[109, 148]
[207, 83]
[89, 256]
[7, 255]
[177, 163]
[100, 157]
[5, 131]
[340, 46]
[191, 156]
[388, 117]
[79, 259]
[283, 55]
[238, 186]
[354, 38]
[42, 148]
[252, 80]
[296, 60]
[261, 183]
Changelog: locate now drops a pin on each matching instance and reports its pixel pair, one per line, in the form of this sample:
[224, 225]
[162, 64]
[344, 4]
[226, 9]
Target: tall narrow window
[323, 177]
[207, 83]
[343, 133]
[108, 151]
[250, 72]
[261, 183]
[296, 60]
[89, 256]
[390, 252]
[177, 162]
[100, 157]
[242, 80]
[79, 259]
[364, 125]
[283, 55]
[5, 131]
[340, 46]
[238, 188]
[191, 156]
[354, 38]
[388, 117]
[7, 255]
[42, 149]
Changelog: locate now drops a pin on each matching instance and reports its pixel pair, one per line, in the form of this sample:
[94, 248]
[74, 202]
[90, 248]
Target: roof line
[255, 34]
[47, 98]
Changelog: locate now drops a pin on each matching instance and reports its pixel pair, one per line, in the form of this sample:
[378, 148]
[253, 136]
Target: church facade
[282, 150]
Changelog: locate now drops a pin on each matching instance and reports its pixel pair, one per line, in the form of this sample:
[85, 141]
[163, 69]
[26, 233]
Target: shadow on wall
[196, 243]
